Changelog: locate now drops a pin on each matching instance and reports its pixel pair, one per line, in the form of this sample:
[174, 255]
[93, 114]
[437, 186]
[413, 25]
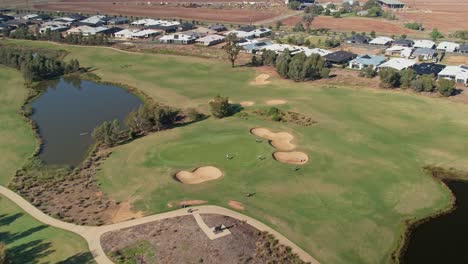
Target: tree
[368, 72]
[107, 133]
[296, 65]
[390, 78]
[282, 63]
[298, 27]
[435, 34]
[3, 258]
[446, 87]
[269, 57]
[372, 34]
[294, 5]
[220, 107]
[313, 67]
[279, 24]
[325, 73]
[308, 18]
[407, 76]
[337, 14]
[232, 49]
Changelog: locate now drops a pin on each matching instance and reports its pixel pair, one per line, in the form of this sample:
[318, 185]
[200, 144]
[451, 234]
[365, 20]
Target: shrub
[220, 107]
[446, 87]
[390, 78]
[414, 26]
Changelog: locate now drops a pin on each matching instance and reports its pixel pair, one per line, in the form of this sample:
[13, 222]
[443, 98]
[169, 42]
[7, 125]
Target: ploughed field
[347, 204]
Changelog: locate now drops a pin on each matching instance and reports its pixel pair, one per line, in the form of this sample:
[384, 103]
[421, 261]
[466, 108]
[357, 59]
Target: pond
[443, 239]
[68, 111]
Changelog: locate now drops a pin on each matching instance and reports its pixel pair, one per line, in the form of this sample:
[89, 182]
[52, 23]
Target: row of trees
[408, 79]
[76, 39]
[35, 66]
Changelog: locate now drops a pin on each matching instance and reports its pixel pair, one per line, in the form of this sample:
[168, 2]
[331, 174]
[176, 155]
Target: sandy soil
[124, 212]
[199, 175]
[236, 205]
[280, 140]
[192, 202]
[202, 14]
[455, 60]
[261, 79]
[295, 157]
[247, 103]
[276, 102]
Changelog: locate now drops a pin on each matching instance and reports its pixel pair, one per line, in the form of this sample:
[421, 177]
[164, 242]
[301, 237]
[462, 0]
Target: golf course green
[347, 204]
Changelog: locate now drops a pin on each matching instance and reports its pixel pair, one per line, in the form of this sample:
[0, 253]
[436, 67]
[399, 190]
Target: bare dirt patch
[455, 59]
[261, 79]
[247, 103]
[199, 175]
[295, 157]
[276, 102]
[236, 205]
[280, 140]
[180, 240]
[124, 212]
[192, 202]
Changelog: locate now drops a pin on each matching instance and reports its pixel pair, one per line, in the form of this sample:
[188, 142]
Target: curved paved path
[92, 234]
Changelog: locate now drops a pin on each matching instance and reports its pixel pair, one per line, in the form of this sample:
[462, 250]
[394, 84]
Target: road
[92, 234]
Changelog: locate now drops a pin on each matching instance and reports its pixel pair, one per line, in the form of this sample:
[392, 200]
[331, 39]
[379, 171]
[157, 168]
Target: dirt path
[92, 234]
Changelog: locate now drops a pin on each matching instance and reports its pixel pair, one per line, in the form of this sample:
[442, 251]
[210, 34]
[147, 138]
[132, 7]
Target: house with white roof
[146, 33]
[86, 30]
[241, 34]
[459, 74]
[30, 16]
[404, 52]
[125, 34]
[424, 43]
[381, 41]
[448, 46]
[364, 61]
[94, 21]
[321, 52]
[210, 40]
[177, 39]
[397, 64]
[261, 32]
[52, 28]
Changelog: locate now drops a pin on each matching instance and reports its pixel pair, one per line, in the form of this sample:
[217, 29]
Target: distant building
[218, 28]
[428, 68]
[459, 74]
[448, 46]
[52, 28]
[118, 21]
[424, 54]
[94, 21]
[381, 41]
[463, 48]
[177, 39]
[364, 61]
[210, 40]
[424, 43]
[403, 43]
[146, 33]
[358, 39]
[391, 3]
[397, 64]
[339, 57]
[404, 52]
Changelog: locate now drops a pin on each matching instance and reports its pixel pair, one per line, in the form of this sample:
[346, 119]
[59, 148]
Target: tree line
[36, 66]
[24, 32]
[408, 79]
[296, 67]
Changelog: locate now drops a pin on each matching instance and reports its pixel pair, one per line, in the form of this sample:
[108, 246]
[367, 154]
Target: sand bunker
[247, 103]
[199, 175]
[280, 140]
[294, 157]
[236, 205]
[261, 79]
[275, 102]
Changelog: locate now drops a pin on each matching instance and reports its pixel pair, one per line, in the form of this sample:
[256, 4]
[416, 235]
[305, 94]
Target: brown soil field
[455, 60]
[180, 240]
[202, 14]
[357, 24]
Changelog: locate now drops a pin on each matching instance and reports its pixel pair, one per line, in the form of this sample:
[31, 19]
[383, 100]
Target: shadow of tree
[8, 219]
[28, 253]
[8, 237]
[80, 258]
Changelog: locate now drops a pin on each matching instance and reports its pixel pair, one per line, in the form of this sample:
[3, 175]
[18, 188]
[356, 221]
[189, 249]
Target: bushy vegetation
[151, 117]
[220, 107]
[462, 34]
[414, 26]
[368, 72]
[75, 39]
[269, 250]
[108, 133]
[446, 87]
[34, 65]
[435, 34]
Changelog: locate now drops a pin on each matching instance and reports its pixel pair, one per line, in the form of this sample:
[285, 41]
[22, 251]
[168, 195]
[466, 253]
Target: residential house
[177, 39]
[261, 32]
[4, 27]
[247, 28]
[424, 43]
[186, 26]
[279, 48]
[381, 41]
[29, 16]
[256, 47]
[125, 34]
[463, 48]
[94, 21]
[403, 43]
[218, 28]
[194, 34]
[397, 64]
[308, 52]
[166, 26]
[40, 19]
[146, 33]
[241, 34]
[446, 46]
[86, 30]
[404, 52]
[364, 61]
[358, 39]
[4, 18]
[428, 68]
[391, 3]
[210, 40]
[424, 54]
[51, 28]
[459, 74]
[118, 21]
[339, 57]
[16, 23]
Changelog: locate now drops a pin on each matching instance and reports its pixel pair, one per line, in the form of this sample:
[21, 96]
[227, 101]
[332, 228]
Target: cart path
[92, 234]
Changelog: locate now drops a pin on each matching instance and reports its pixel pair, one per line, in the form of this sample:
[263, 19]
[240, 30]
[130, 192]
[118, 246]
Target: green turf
[29, 241]
[347, 205]
[16, 137]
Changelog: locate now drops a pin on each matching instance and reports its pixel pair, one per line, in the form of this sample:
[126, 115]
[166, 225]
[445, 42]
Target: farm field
[363, 178]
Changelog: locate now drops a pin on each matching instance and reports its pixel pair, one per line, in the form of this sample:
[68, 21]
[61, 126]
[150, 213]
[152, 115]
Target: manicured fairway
[16, 137]
[346, 205]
